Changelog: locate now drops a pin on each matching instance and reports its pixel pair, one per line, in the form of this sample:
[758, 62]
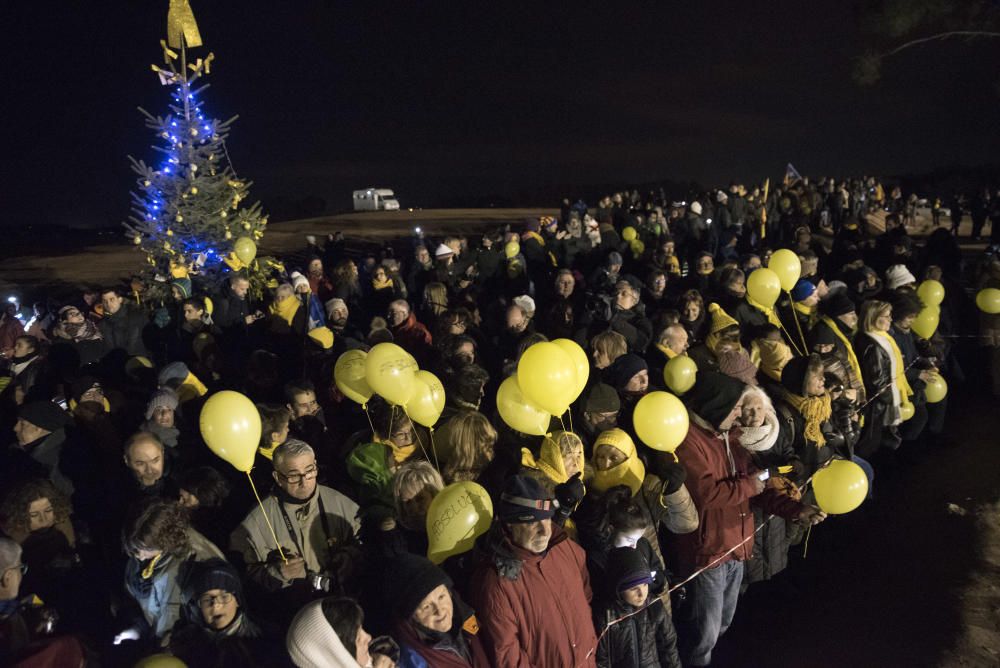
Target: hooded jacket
[535, 608]
[312, 642]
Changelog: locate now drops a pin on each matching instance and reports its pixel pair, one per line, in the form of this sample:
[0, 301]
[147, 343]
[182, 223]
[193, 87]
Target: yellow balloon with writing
[787, 266]
[547, 376]
[661, 421]
[926, 322]
[427, 403]
[245, 249]
[460, 513]
[580, 362]
[390, 371]
[680, 374]
[230, 425]
[840, 487]
[988, 300]
[351, 377]
[764, 286]
[518, 412]
[931, 292]
[936, 389]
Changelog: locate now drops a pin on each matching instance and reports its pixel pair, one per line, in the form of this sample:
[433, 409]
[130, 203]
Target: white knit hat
[443, 251]
[898, 275]
[696, 207]
[527, 303]
[312, 642]
[298, 280]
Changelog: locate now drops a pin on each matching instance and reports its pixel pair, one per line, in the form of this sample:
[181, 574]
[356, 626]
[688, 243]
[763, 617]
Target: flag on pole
[791, 174]
[763, 208]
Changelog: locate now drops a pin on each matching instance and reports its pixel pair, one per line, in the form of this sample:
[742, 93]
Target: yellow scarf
[147, 572]
[768, 311]
[905, 391]
[268, 452]
[852, 359]
[400, 453]
[816, 411]
[666, 351]
[381, 285]
[808, 311]
[541, 241]
[770, 356]
[286, 308]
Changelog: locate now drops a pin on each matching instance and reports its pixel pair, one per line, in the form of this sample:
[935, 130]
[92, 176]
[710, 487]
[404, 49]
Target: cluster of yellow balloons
[931, 293]
[783, 270]
[840, 487]
[230, 425]
[550, 376]
[460, 513]
[787, 267]
[680, 374]
[392, 373]
[660, 421]
[511, 250]
[988, 300]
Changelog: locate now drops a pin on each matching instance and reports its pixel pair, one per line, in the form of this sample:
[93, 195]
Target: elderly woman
[884, 375]
[414, 486]
[162, 547]
[433, 626]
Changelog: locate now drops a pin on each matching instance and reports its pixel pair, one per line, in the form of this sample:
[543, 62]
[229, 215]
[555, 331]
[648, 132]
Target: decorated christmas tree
[188, 215]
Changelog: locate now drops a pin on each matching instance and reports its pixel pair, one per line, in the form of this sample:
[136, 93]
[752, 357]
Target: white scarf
[894, 416]
[758, 439]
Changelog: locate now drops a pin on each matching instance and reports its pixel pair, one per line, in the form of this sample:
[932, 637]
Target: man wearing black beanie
[722, 480]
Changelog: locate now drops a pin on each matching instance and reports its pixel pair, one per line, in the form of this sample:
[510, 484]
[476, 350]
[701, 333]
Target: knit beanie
[322, 336]
[332, 304]
[696, 207]
[79, 386]
[215, 574]
[163, 397]
[298, 281]
[44, 415]
[525, 500]
[720, 319]
[601, 398]
[443, 252]
[803, 290]
[622, 369]
[311, 641]
[175, 371]
[411, 578]
[533, 225]
[737, 364]
[904, 303]
[614, 257]
[898, 275]
[822, 335]
[836, 304]
[713, 396]
[183, 286]
[627, 568]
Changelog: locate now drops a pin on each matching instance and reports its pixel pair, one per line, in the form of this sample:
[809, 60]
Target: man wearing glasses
[316, 527]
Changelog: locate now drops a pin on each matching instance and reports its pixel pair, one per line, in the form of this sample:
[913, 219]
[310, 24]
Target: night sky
[447, 100]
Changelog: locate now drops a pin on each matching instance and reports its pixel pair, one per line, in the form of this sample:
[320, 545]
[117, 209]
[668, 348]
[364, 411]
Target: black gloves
[569, 494]
[673, 474]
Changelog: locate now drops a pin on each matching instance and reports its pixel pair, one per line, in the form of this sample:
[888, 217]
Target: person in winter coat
[722, 480]
[330, 633]
[122, 324]
[531, 584]
[640, 632]
[884, 374]
[408, 332]
[433, 626]
[162, 550]
[76, 330]
[831, 338]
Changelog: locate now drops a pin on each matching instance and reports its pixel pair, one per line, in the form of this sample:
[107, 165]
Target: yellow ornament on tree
[166, 245]
[194, 168]
[229, 235]
[194, 132]
[170, 232]
[257, 234]
[137, 240]
[146, 183]
[223, 213]
[246, 226]
[179, 218]
[194, 190]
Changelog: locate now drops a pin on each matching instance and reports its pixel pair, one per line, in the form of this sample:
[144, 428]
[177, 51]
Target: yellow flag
[181, 23]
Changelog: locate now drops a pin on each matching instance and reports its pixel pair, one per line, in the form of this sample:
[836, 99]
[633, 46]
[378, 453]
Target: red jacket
[413, 337]
[721, 490]
[540, 615]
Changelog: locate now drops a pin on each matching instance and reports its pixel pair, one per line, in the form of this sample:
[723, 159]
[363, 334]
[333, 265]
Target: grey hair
[293, 447]
[757, 391]
[10, 554]
[414, 474]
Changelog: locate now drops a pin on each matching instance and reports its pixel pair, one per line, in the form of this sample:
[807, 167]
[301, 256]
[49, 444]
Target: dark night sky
[439, 99]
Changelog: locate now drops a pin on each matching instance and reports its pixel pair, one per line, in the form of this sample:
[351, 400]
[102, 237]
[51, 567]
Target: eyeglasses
[225, 598]
[19, 567]
[296, 478]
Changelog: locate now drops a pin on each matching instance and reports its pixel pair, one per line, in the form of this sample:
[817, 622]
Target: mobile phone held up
[763, 475]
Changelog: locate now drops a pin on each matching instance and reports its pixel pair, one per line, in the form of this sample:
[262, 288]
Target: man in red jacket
[530, 588]
[722, 480]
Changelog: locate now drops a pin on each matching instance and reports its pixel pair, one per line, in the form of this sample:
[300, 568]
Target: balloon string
[371, 424]
[571, 422]
[433, 448]
[562, 424]
[416, 432]
[790, 339]
[805, 550]
[798, 325]
[264, 512]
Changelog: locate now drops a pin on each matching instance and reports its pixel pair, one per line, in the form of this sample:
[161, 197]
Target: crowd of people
[124, 536]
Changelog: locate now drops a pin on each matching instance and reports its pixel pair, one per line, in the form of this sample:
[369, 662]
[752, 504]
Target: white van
[375, 199]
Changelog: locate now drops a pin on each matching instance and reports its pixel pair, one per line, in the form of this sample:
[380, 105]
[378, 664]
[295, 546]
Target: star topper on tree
[187, 215]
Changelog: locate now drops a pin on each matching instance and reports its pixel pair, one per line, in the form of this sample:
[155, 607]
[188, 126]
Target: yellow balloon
[764, 286]
[926, 322]
[661, 421]
[245, 249]
[518, 412]
[511, 250]
[390, 371]
[580, 361]
[460, 513]
[840, 487]
[427, 402]
[680, 374]
[160, 661]
[230, 425]
[787, 266]
[350, 376]
[906, 411]
[629, 233]
[931, 292]
[637, 247]
[988, 300]
[547, 376]
[937, 389]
